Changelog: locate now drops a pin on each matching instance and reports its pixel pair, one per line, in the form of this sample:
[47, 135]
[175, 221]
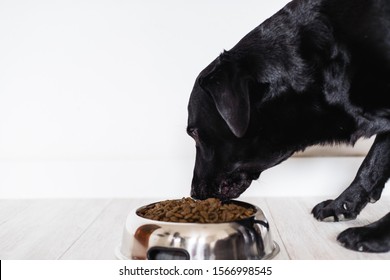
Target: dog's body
[317, 72]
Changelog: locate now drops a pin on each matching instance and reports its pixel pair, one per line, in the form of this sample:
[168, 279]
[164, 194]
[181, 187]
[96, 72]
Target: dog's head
[232, 148]
[246, 120]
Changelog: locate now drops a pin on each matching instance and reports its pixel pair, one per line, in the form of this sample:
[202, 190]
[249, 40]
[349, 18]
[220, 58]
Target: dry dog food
[188, 210]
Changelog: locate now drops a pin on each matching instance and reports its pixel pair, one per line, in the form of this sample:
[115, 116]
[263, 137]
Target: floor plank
[104, 235]
[44, 229]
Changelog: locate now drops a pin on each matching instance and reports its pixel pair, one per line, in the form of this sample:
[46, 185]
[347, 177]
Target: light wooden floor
[91, 229]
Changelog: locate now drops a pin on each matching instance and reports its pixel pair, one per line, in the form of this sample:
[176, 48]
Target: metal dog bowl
[247, 239]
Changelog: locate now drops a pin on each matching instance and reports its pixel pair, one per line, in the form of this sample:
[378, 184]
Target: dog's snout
[223, 187]
[195, 194]
[199, 189]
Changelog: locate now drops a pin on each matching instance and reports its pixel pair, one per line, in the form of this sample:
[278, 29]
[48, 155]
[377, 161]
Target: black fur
[317, 72]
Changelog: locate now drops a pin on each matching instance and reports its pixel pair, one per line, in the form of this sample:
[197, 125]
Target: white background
[93, 93]
[109, 79]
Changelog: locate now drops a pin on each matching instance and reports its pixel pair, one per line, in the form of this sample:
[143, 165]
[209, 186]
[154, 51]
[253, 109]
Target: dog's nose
[197, 194]
[199, 189]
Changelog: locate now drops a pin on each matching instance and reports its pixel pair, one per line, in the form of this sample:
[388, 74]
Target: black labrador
[316, 72]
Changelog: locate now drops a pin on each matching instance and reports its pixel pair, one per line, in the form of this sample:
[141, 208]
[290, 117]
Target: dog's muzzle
[226, 188]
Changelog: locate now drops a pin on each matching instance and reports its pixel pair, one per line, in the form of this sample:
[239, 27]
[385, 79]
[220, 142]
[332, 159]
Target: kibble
[188, 210]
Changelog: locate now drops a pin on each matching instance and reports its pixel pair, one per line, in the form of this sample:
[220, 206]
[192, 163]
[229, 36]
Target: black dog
[317, 72]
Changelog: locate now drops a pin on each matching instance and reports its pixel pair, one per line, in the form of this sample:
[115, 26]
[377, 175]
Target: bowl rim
[239, 202]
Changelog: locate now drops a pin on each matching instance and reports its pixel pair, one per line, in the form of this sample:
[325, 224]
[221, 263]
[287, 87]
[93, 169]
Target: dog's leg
[366, 187]
[374, 237]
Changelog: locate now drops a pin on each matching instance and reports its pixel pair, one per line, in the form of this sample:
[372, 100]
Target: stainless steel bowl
[247, 239]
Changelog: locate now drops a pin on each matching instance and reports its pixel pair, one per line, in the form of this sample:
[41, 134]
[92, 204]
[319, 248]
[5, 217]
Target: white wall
[109, 79]
[102, 81]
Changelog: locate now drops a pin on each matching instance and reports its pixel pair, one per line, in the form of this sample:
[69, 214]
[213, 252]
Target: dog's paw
[334, 211]
[364, 239]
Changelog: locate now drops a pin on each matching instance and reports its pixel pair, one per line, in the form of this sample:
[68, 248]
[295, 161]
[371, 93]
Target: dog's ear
[229, 90]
